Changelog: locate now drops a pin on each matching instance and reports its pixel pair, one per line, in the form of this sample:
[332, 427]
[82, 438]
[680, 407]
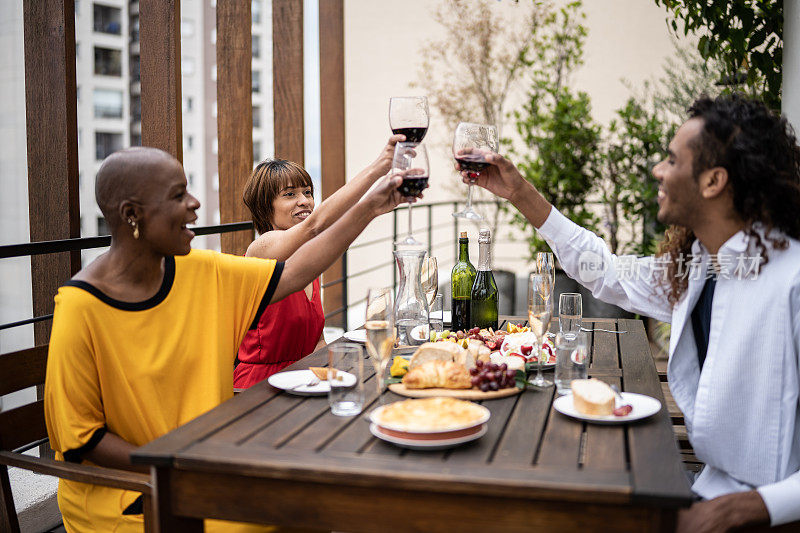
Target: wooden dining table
[271, 457]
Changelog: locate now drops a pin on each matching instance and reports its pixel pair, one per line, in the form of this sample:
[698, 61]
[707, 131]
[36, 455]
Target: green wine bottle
[461, 279]
[484, 289]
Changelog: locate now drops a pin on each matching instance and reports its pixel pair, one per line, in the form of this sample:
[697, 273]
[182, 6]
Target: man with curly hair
[727, 277]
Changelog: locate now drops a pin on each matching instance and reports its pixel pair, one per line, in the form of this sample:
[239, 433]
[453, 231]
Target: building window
[102, 226]
[188, 104]
[189, 142]
[256, 81]
[255, 10]
[78, 94]
[135, 29]
[256, 46]
[187, 27]
[256, 151]
[107, 19]
[256, 116]
[107, 62]
[136, 140]
[107, 103]
[106, 144]
[190, 178]
[136, 108]
[135, 69]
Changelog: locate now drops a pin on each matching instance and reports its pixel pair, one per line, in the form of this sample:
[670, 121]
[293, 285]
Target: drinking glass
[471, 143]
[411, 162]
[380, 331]
[430, 278]
[540, 312]
[346, 379]
[570, 313]
[572, 360]
[545, 263]
[409, 115]
[436, 313]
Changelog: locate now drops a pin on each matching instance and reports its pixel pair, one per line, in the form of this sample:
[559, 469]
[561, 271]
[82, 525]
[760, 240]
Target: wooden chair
[23, 428]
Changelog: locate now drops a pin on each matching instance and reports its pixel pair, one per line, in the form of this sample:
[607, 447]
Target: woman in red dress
[280, 196]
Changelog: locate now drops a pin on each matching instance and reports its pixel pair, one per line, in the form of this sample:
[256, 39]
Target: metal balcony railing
[88, 243]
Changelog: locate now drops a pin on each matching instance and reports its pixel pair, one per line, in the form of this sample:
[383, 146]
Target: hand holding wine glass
[472, 143]
[540, 312]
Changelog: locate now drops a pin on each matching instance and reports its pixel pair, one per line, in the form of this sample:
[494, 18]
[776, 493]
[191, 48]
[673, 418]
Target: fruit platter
[477, 364]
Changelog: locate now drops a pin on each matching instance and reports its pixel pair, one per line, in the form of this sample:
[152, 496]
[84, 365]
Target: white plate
[375, 415]
[430, 445]
[643, 406]
[357, 335]
[294, 382]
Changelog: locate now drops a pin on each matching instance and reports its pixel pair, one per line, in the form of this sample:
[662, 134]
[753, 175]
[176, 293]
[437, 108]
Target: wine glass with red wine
[471, 143]
[409, 115]
[411, 162]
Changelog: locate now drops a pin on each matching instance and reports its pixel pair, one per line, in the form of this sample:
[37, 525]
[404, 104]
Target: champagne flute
[430, 279]
[545, 263]
[409, 115]
[540, 312]
[380, 331]
[471, 143]
[411, 162]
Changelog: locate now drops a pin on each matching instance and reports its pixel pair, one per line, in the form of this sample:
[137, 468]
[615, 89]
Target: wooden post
[287, 78]
[235, 117]
[52, 131]
[331, 66]
[160, 60]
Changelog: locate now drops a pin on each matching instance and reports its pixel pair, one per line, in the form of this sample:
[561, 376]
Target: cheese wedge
[592, 397]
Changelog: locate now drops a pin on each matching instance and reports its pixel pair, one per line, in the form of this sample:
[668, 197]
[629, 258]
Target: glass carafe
[410, 306]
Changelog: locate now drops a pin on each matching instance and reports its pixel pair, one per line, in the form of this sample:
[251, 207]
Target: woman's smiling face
[291, 206]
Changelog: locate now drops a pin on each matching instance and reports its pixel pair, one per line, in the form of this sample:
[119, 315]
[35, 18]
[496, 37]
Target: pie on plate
[430, 415]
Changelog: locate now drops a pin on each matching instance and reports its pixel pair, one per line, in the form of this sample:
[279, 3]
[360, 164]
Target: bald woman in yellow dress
[144, 337]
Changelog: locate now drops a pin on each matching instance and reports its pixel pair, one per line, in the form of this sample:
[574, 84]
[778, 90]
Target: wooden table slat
[656, 470]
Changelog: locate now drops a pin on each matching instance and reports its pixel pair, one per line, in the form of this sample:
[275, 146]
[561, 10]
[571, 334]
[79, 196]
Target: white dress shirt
[742, 411]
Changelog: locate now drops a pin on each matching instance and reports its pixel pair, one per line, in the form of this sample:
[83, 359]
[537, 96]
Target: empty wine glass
[570, 314]
[540, 312]
[409, 115]
[430, 278]
[471, 143]
[380, 330]
[411, 162]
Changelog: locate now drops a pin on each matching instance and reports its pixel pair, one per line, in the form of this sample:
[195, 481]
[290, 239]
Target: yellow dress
[141, 369]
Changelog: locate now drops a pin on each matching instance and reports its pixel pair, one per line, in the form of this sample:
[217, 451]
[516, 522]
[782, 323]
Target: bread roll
[435, 351]
[479, 350]
[592, 397]
[438, 374]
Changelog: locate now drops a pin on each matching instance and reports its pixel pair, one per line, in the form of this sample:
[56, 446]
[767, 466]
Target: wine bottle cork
[463, 234]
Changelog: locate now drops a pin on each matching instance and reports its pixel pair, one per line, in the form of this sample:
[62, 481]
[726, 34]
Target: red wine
[413, 186]
[461, 315]
[472, 162]
[413, 135]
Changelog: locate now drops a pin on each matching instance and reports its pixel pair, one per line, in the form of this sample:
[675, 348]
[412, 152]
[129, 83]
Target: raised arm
[281, 244]
[315, 256]
[583, 255]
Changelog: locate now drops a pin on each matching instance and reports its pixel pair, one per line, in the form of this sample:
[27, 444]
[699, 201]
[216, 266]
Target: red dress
[287, 331]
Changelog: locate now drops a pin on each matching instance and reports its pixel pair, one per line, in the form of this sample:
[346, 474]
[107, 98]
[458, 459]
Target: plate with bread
[429, 423]
[311, 382]
[448, 369]
[592, 400]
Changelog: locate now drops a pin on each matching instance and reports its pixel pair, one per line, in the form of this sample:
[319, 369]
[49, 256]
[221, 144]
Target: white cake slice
[592, 397]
